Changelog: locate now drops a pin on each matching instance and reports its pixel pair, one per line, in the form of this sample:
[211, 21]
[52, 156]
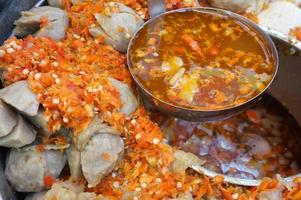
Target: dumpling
[22, 134]
[239, 5]
[94, 152]
[29, 23]
[100, 156]
[282, 16]
[116, 24]
[8, 119]
[26, 167]
[40, 122]
[19, 96]
[128, 99]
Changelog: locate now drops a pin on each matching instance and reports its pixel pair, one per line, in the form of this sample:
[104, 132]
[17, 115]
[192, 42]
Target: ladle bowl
[155, 104]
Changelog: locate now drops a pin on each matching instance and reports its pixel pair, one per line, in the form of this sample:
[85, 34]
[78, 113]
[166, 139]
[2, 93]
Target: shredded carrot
[193, 44]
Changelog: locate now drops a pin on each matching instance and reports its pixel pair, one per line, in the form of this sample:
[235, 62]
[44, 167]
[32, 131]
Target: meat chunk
[30, 21]
[8, 119]
[26, 167]
[19, 96]
[100, 156]
[128, 99]
[116, 24]
[281, 16]
[23, 134]
[40, 122]
[239, 5]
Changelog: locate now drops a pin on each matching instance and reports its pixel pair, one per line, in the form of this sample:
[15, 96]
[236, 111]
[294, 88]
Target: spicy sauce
[200, 60]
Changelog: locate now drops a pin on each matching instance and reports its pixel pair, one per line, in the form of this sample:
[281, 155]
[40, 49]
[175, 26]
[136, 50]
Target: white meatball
[116, 27]
[128, 99]
[26, 168]
[19, 96]
[239, 5]
[281, 16]
[100, 156]
[22, 134]
[36, 196]
[29, 23]
[8, 119]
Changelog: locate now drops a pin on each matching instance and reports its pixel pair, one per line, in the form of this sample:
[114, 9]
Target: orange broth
[200, 60]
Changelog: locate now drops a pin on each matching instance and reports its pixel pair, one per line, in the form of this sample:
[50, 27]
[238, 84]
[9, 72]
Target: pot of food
[72, 128]
[201, 64]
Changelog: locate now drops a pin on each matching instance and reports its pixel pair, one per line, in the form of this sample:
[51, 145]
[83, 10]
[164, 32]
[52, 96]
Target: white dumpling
[100, 156]
[22, 134]
[8, 119]
[95, 126]
[239, 5]
[128, 99]
[116, 27]
[40, 122]
[29, 23]
[26, 167]
[280, 16]
[19, 96]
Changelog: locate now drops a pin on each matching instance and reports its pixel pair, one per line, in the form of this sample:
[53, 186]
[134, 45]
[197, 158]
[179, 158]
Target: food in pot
[261, 142]
[86, 98]
[201, 61]
[45, 21]
[31, 170]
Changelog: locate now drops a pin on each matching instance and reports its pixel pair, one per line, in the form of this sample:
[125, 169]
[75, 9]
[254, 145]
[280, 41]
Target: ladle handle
[155, 7]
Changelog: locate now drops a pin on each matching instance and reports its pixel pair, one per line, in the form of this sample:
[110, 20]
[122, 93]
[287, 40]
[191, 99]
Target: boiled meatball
[239, 5]
[19, 96]
[116, 24]
[29, 23]
[8, 119]
[22, 134]
[26, 167]
[100, 156]
[128, 99]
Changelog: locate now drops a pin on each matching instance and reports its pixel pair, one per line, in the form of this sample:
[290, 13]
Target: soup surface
[200, 60]
[261, 142]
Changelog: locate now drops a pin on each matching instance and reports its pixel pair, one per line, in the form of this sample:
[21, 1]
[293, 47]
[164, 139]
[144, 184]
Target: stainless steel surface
[153, 103]
[155, 7]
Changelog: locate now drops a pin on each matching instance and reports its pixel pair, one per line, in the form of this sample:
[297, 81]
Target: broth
[200, 60]
[260, 142]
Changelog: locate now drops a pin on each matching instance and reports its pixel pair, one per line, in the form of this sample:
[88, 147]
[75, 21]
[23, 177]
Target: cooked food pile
[70, 114]
[261, 142]
[201, 61]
